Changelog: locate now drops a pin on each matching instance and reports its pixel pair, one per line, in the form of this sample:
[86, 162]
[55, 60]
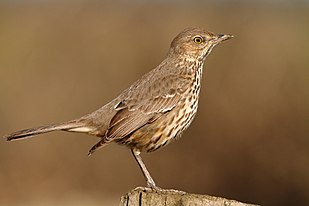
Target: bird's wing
[146, 104]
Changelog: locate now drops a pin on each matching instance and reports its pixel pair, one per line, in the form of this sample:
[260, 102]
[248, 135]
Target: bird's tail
[71, 126]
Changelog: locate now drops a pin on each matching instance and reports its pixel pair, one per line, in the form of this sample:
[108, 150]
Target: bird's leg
[149, 180]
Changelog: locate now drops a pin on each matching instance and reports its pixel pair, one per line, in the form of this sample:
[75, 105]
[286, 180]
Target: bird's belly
[169, 126]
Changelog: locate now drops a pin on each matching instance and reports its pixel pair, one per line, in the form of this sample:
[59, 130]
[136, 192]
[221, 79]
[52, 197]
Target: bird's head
[196, 43]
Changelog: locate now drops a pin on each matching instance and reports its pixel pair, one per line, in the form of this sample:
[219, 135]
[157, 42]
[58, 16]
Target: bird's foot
[155, 188]
[151, 185]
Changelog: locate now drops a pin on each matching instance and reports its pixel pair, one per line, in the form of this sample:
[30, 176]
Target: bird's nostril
[220, 35]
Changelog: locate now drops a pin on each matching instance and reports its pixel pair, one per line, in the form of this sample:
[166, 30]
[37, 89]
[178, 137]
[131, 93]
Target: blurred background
[62, 59]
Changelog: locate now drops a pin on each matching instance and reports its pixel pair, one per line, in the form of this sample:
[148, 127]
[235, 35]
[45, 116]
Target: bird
[155, 109]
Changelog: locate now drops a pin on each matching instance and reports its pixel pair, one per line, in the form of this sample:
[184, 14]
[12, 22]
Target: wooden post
[146, 197]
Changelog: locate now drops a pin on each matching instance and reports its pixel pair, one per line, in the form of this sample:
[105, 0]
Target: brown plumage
[155, 109]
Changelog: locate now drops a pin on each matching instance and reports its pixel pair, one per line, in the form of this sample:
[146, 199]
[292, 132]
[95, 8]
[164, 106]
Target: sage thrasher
[155, 109]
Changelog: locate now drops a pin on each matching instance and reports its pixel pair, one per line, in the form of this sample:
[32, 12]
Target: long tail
[72, 126]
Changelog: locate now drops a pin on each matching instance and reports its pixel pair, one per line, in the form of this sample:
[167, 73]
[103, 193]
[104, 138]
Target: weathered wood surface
[146, 197]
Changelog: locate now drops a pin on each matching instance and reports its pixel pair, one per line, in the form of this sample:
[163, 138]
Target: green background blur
[62, 59]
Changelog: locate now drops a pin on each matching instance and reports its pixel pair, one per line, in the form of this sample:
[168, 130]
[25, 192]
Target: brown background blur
[249, 140]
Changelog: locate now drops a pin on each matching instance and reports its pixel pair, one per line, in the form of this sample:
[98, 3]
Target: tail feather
[73, 126]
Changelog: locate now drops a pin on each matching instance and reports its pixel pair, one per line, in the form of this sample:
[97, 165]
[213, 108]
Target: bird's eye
[198, 40]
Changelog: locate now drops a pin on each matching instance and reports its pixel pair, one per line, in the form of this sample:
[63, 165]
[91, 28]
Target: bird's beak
[221, 37]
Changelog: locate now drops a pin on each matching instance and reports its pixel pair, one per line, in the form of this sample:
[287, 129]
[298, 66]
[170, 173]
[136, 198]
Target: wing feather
[147, 104]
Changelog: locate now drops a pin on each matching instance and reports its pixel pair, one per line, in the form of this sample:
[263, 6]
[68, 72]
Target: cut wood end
[170, 197]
